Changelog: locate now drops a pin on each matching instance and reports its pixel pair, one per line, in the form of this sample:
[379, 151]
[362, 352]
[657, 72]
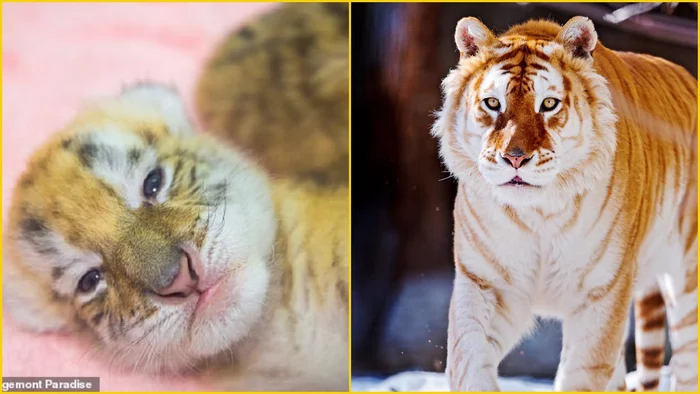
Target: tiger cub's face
[524, 116]
[129, 225]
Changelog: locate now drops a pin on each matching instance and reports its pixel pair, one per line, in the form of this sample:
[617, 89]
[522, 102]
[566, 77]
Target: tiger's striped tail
[650, 338]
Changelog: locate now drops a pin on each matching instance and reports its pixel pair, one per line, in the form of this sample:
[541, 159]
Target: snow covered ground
[434, 381]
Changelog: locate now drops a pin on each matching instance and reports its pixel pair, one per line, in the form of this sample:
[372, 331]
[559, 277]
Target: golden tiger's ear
[164, 101]
[471, 35]
[578, 36]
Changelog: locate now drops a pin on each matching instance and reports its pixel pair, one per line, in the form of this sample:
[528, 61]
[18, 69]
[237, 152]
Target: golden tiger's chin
[520, 194]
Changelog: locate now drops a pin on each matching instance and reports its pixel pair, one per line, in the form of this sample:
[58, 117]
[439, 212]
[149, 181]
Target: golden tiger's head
[526, 118]
[131, 226]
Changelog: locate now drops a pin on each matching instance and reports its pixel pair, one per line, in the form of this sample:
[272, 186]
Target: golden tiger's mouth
[517, 181]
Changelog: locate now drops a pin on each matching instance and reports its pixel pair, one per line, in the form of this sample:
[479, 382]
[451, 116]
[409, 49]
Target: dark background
[402, 203]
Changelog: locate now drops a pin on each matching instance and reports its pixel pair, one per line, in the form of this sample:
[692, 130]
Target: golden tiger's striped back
[577, 169]
[658, 107]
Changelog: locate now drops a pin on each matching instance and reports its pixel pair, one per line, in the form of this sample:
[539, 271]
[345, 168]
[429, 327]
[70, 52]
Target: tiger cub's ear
[578, 36]
[164, 101]
[471, 36]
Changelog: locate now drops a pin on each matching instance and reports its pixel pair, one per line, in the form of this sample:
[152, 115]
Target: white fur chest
[550, 257]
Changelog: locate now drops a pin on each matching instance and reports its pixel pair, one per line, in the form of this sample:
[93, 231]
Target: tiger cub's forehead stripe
[33, 230]
[57, 272]
[134, 156]
[91, 154]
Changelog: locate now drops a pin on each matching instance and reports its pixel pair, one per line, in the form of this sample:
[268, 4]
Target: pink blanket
[54, 57]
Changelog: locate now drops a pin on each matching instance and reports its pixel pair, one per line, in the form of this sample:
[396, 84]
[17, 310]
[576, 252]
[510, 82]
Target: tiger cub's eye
[549, 104]
[89, 281]
[153, 183]
[492, 103]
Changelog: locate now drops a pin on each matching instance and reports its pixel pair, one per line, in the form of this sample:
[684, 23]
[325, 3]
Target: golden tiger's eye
[492, 104]
[549, 104]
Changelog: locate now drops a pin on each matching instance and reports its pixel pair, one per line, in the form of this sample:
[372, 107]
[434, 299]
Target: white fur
[162, 101]
[577, 27]
[475, 30]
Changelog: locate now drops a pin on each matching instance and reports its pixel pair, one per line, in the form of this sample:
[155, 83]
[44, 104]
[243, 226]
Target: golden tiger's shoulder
[646, 78]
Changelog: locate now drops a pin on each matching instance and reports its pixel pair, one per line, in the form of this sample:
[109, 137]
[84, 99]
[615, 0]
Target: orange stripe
[653, 363]
[605, 369]
[691, 280]
[495, 343]
[501, 307]
[600, 252]
[513, 216]
[691, 238]
[475, 216]
[483, 284]
[574, 217]
[690, 346]
[488, 258]
[608, 194]
[545, 161]
[652, 358]
[622, 274]
[652, 384]
[654, 352]
[655, 323]
[689, 319]
[651, 302]
[546, 217]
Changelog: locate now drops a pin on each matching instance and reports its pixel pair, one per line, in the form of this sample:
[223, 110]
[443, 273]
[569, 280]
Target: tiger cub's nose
[516, 158]
[184, 280]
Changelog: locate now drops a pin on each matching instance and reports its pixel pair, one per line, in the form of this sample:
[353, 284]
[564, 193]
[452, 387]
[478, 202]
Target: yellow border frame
[349, 128]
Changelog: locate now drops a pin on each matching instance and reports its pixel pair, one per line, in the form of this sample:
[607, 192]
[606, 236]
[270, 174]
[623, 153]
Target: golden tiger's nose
[184, 280]
[517, 158]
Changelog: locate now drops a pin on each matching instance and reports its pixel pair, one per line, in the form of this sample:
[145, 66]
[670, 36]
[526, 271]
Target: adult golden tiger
[577, 194]
[178, 254]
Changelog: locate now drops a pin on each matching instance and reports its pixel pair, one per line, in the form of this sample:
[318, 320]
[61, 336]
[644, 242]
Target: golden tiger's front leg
[592, 338]
[484, 323]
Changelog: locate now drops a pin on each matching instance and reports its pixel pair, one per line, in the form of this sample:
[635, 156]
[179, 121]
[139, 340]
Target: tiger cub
[577, 195]
[177, 254]
[279, 88]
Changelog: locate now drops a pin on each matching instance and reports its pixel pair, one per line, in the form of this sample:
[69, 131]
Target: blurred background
[402, 200]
